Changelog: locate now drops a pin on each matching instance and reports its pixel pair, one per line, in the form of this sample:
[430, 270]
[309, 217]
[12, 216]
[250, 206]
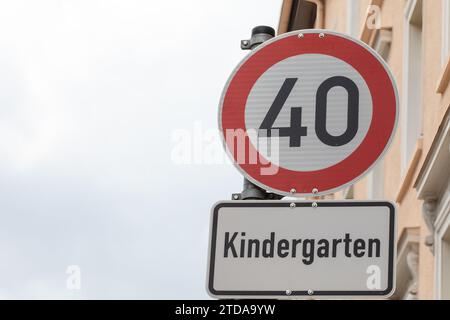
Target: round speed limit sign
[308, 112]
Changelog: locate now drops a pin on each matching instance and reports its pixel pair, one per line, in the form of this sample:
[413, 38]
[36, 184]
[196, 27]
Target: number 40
[296, 131]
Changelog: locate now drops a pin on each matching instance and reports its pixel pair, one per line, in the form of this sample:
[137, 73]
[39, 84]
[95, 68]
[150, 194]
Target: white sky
[90, 94]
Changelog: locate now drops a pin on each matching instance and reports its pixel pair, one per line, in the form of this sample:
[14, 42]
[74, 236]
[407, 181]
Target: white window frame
[411, 120]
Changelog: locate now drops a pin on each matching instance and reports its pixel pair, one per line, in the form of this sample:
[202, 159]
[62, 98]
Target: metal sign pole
[251, 191]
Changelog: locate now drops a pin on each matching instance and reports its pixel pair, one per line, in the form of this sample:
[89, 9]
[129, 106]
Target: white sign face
[310, 154]
[264, 249]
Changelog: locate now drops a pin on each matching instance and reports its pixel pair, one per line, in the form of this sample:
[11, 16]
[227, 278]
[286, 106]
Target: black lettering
[253, 243]
[295, 242]
[268, 246]
[352, 111]
[283, 248]
[377, 244]
[359, 248]
[229, 245]
[296, 131]
[242, 245]
[335, 244]
[323, 251]
[347, 242]
[308, 251]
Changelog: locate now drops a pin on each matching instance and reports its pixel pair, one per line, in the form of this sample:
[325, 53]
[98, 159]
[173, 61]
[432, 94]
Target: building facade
[413, 37]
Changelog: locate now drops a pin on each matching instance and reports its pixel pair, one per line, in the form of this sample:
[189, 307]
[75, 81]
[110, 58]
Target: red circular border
[383, 116]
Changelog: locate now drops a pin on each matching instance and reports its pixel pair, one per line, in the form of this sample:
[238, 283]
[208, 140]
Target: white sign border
[281, 295]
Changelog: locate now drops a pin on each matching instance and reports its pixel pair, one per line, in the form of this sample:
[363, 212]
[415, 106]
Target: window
[353, 27]
[445, 31]
[412, 82]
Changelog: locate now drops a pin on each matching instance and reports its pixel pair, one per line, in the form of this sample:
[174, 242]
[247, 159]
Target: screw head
[301, 35]
[310, 292]
[321, 35]
[292, 205]
[236, 197]
[288, 292]
[315, 191]
[314, 204]
[293, 191]
[245, 42]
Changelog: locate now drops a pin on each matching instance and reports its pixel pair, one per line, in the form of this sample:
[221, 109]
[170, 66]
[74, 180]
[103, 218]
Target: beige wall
[434, 108]
[398, 185]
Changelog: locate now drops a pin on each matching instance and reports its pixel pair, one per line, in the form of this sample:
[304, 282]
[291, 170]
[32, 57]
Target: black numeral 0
[352, 111]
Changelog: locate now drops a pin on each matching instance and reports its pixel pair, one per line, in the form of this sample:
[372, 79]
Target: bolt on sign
[282, 249]
[308, 112]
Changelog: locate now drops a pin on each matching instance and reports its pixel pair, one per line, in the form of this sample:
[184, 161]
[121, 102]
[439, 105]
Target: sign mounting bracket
[251, 191]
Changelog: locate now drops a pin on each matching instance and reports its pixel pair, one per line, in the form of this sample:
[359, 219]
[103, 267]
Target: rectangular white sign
[282, 249]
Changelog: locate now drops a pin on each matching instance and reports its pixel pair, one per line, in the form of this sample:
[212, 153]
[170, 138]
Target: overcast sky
[92, 94]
